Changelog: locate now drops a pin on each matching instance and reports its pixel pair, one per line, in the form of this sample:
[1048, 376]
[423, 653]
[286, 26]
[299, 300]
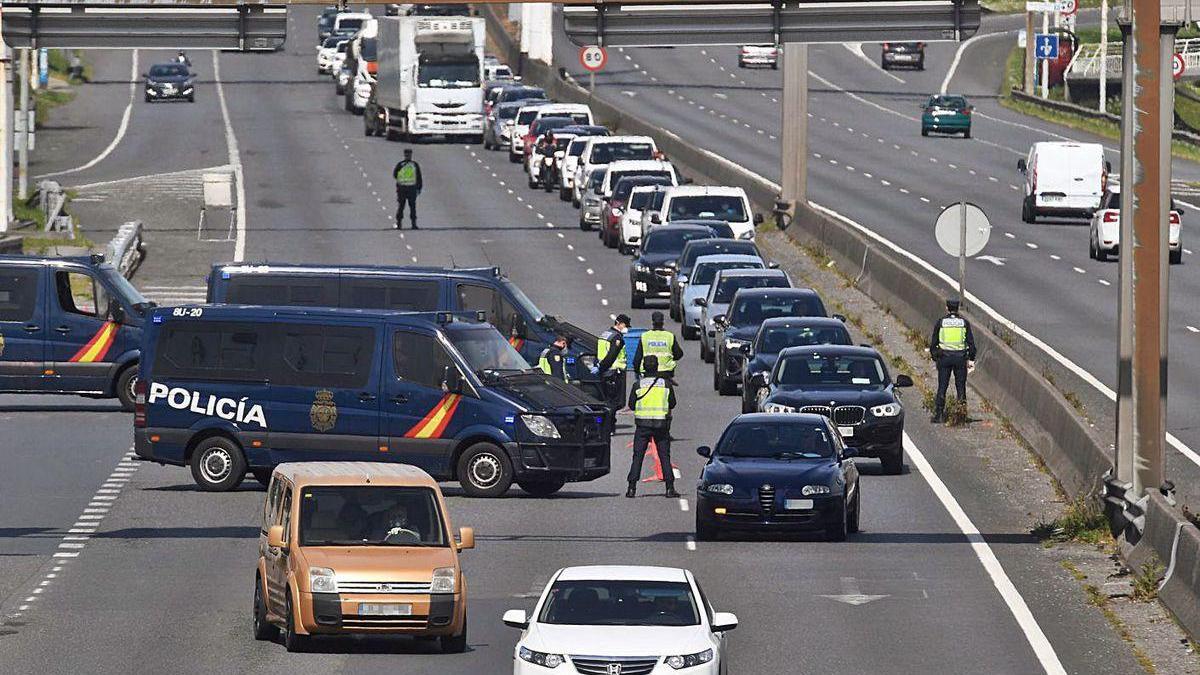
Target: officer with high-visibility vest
[610, 350]
[553, 360]
[407, 175]
[652, 398]
[952, 347]
[662, 345]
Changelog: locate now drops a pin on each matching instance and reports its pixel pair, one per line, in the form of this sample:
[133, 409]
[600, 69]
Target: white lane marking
[1193, 329]
[690, 543]
[1031, 245]
[958, 57]
[1010, 235]
[856, 49]
[235, 161]
[1008, 592]
[1080, 270]
[1104, 282]
[1055, 257]
[121, 129]
[683, 504]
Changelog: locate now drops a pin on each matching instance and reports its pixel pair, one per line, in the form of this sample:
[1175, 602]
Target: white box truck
[430, 76]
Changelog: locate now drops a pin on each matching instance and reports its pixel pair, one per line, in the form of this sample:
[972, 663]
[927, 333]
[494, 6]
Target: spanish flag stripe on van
[435, 422]
[97, 347]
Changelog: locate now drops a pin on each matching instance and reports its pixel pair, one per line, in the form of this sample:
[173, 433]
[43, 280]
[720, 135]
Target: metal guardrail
[1085, 65]
[127, 248]
[52, 199]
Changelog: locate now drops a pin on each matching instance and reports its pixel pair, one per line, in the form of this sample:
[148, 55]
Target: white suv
[601, 150]
[690, 202]
[1104, 237]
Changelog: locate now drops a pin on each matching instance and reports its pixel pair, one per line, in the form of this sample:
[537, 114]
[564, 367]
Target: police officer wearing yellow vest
[553, 360]
[652, 399]
[610, 349]
[407, 174]
[660, 344]
[952, 347]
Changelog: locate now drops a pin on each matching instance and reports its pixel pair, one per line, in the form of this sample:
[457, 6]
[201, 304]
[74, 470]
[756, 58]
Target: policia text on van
[412, 289]
[69, 326]
[228, 388]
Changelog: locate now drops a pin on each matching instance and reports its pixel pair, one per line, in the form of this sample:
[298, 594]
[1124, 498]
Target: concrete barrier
[127, 248]
[1171, 540]
[11, 245]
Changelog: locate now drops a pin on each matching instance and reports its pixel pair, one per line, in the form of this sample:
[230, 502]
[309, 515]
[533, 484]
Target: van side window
[220, 351]
[400, 294]
[18, 293]
[78, 293]
[329, 356]
[282, 290]
[271, 505]
[286, 513]
[420, 359]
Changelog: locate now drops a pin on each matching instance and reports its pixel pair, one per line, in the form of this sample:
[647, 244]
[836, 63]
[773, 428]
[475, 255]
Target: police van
[416, 289]
[227, 389]
[69, 326]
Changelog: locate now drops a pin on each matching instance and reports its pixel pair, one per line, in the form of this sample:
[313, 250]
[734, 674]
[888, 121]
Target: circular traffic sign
[948, 230]
[1177, 66]
[593, 58]
[1068, 7]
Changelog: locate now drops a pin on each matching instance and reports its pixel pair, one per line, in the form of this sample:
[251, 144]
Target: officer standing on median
[407, 174]
[553, 360]
[610, 349]
[652, 399]
[662, 345]
[952, 347]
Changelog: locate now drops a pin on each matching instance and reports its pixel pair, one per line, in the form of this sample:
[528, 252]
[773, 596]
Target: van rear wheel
[218, 465]
[263, 629]
[542, 488]
[484, 470]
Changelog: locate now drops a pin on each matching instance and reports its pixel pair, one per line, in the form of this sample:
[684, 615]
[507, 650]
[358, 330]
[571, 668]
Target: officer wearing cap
[553, 360]
[610, 350]
[952, 347]
[662, 345]
[652, 399]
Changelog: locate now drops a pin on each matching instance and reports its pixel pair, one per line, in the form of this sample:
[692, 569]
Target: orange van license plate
[382, 609]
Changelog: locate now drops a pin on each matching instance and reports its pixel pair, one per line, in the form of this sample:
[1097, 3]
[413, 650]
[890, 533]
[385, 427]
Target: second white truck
[430, 76]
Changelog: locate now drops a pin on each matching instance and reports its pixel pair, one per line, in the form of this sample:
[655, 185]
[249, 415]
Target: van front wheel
[218, 465]
[484, 470]
[126, 382]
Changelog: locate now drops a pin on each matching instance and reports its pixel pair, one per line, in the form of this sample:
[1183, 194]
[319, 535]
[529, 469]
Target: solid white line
[124, 126]
[1012, 597]
[958, 57]
[235, 161]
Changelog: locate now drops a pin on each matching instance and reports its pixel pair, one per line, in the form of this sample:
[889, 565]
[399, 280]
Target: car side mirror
[116, 312]
[700, 302]
[840, 317]
[1021, 166]
[704, 451]
[724, 621]
[656, 219]
[466, 538]
[849, 452]
[759, 378]
[1108, 166]
[275, 537]
[451, 380]
[720, 319]
[686, 181]
[758, 219]
[516, 618]
[903, 381]
[772, 265]
[747, 349]
[145, 75]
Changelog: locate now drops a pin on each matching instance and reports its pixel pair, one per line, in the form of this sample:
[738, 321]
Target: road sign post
[962, 229]
[593, 58]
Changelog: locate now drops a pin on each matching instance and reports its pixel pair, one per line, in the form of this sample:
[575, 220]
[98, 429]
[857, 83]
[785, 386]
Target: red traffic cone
[652, 453]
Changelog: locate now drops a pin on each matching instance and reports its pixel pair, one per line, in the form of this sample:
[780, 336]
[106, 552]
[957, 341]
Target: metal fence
[1085, 65]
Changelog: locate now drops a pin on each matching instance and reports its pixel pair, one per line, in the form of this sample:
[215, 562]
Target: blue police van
[419, 289]
[69, 326]
[231, 389]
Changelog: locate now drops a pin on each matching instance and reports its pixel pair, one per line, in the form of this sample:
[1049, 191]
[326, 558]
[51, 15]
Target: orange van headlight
[445, 580]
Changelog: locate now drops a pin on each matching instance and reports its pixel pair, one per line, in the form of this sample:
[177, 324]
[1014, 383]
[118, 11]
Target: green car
[946, 115]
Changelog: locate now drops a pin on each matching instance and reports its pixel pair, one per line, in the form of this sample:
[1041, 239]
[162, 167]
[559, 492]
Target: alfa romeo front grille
[766, 498]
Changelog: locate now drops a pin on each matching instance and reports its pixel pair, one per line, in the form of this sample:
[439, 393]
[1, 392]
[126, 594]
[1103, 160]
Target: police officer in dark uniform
[409, 183]
[952, 347]
[652, 398]
[661, 344]
[610, 349]
[553, 360]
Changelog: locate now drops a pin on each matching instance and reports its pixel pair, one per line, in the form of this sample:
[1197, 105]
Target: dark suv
[736, 330]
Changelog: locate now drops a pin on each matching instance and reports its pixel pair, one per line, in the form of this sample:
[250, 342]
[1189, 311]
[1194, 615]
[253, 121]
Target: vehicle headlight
[445, 580]
[886, 410]
[322, 580]
[749, 234]
[616, 211]
[541, 658]
[778, 408]
[719, 488]
[641, 268]
[732, 343]
[689, 660]
[539, 425]
[810, 490]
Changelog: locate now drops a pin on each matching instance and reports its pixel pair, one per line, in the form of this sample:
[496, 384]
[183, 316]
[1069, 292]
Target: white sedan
[621, 619]
[1104, 236]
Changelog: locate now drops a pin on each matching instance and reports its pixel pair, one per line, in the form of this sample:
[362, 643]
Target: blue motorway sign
[1045, 46]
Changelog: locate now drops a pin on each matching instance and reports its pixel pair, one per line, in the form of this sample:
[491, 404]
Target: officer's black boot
[671, 493]
[632, 491]
[414, 224]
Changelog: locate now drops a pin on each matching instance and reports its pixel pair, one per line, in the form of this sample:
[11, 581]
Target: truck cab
[69, 326]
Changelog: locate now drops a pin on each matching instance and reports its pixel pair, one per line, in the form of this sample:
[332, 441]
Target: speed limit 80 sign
[593, 58]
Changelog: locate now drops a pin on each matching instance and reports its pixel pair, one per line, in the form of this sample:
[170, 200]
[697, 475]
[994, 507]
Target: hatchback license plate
[846, 432]
[384, 609]
[798, 504]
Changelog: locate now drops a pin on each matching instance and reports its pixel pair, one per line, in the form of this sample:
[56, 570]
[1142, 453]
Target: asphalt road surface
[157, 575]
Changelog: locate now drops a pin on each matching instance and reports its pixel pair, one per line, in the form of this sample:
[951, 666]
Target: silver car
[591, 205]
[697, 284]
[720, 293]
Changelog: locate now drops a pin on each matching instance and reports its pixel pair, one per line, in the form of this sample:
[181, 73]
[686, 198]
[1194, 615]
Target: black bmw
[170, 81]
[778, 473]
[849, 385]
[776, 335]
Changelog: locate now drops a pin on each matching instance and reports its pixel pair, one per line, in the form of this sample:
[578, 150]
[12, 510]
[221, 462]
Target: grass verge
[1082, 522]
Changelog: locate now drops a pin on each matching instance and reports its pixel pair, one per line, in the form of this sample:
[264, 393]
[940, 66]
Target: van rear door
[22, 326]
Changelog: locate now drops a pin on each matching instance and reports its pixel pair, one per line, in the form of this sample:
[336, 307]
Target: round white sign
[948, 229]
[593, 58]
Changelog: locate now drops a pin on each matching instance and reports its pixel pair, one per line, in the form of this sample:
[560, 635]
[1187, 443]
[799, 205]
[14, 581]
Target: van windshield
[604, 153]
[530, 310]
[342, 515]
[722, 207]
[485, 349]
[121, 286]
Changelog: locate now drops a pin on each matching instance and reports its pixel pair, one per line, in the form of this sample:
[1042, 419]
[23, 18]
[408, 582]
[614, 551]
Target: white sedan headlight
[540, 658]
[689, 660]
[540, 425]
[886, 410]
[445, 580]
[322, 580]
[778, 408]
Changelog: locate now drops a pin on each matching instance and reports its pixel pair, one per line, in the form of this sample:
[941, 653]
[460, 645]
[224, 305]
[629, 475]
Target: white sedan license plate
[384, 609]
[798, 504]
[846, 432]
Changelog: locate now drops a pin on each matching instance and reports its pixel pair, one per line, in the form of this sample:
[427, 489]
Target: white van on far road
[1063, 179]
